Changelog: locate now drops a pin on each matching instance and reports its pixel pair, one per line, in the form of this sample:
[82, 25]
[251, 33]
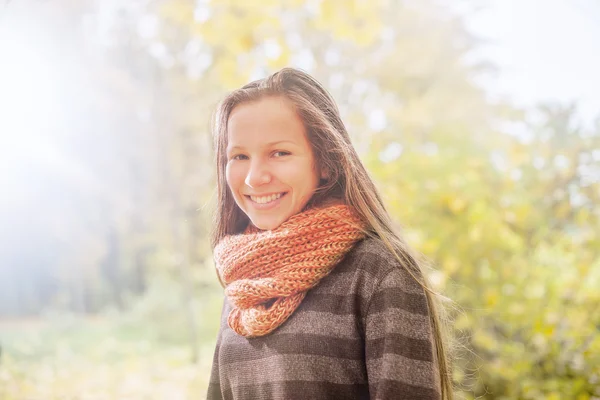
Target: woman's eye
[281, 153]
[239, 157]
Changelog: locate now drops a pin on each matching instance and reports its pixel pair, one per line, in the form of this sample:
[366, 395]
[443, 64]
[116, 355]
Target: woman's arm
[399, 350]
[214, 383]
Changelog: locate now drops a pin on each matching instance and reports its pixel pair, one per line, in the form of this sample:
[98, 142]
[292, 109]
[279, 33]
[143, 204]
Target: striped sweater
[362, 333]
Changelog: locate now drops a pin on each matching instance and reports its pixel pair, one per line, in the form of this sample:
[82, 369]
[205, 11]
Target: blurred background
[479, 121]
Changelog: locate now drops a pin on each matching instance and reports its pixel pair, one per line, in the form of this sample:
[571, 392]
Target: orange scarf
[268, 273]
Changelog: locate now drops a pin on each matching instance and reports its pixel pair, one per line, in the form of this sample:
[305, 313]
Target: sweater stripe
[347, 304]
[393, 343]
[321, 345]
[415, 372]
[292, 390]
[316, 345]
[318, 323]
[310, 368]
[392, 297]
[397, 321]
[402, 391]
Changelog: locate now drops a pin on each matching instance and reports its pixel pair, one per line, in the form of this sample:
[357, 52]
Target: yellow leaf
[491, 298]
[457, 204]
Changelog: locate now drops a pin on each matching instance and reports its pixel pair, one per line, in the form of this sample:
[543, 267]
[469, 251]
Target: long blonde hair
[347, 179]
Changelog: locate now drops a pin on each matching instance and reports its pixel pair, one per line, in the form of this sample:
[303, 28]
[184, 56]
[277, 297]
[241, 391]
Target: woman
[323, 299]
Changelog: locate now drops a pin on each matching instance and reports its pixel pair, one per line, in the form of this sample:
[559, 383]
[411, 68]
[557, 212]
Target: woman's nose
[257, 175]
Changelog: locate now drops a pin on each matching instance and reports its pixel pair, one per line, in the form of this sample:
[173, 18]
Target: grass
[110, 357]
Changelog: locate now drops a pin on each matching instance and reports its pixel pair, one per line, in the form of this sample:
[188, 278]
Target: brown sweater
[362, 333]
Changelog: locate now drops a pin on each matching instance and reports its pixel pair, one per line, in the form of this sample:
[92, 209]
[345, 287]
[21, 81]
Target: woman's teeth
[266, 199]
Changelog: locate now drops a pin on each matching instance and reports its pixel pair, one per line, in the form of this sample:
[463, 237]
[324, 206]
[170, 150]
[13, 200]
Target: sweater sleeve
[399, 350]
[214, 383]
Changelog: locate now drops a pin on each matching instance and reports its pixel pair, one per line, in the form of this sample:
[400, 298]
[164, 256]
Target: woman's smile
[266, 202]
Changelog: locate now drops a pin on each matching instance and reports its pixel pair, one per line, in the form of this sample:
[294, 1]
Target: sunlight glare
[28, 95]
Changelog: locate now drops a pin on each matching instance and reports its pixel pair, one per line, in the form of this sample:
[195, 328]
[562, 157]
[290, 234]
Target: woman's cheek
[231, 169]
[228, 174]
[231, 174]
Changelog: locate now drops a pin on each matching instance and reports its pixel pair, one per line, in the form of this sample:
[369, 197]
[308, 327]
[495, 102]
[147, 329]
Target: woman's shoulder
[372, 279]
[372, 261]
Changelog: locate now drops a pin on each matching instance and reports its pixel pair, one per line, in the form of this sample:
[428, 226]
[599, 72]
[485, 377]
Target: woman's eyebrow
[269, 144]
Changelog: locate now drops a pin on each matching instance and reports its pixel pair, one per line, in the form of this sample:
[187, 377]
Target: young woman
[324, 300]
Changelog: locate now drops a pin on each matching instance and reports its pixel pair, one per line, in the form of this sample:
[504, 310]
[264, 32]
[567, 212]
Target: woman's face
[270, 164]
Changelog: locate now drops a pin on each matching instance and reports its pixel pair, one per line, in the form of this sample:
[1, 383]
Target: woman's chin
[265, 224]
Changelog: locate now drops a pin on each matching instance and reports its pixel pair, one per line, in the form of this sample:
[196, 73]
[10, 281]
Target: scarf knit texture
[268, 273]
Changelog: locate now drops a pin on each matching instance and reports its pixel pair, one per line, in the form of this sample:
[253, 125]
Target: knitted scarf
[268, 273]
